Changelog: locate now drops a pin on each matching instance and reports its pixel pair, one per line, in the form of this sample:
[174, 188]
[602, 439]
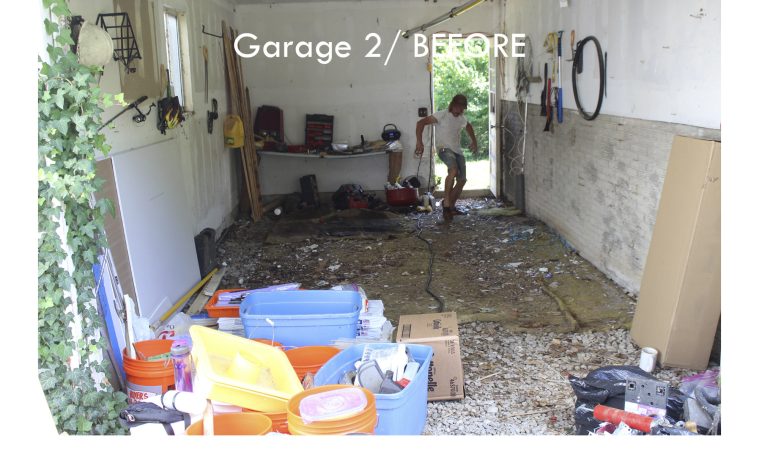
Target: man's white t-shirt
[448, 130]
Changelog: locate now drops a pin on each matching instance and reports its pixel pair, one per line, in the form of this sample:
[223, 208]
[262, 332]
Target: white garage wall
[663, 56]
[597, 183]
[360, 92]
[207, 168]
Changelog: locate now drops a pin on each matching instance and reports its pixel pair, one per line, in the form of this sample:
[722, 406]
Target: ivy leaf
[50, 27]
[58, 99]
[48, 382]
[64, 38]
[61, 9]
[119, 98]
[81, 78]
[46, 303]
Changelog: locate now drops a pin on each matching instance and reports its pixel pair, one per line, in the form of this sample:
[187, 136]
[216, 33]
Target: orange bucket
[147, 378]
[308, 359]
[363, 422]
[236, 423]
[278, 420]
[276, 344]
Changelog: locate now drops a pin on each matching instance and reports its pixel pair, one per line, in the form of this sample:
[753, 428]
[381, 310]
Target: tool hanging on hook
[205, 64]
[139, 118]
[212, 115]
[560, 103]
[572, 45]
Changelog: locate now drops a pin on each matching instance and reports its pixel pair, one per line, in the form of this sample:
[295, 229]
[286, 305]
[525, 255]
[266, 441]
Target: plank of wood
[235, 98]
[241, 106]
[208, 290]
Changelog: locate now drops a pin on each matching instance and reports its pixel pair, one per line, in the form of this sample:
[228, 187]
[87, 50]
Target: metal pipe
[449, 15]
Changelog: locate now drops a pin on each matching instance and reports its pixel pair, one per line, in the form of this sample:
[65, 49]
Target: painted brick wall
[597, 183]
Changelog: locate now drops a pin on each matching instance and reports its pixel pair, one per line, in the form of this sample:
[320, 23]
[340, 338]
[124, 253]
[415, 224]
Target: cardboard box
[441, 332]
[679, 304]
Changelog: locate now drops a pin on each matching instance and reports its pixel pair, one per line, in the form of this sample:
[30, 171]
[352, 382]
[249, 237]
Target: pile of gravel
[516, 383]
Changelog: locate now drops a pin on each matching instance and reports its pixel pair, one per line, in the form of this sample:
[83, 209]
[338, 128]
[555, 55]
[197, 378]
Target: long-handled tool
[133, 105]
[543, 94]
[205, 63]
[549, 111]
[559, 103]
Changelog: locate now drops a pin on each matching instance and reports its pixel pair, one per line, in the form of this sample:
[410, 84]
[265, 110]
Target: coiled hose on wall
[577, 69]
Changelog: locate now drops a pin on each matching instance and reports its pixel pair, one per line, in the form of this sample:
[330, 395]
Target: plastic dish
[242, 372]
[332, 404]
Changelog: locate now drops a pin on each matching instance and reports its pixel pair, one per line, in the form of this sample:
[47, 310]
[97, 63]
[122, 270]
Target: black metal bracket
[119, 27]
[210, 34]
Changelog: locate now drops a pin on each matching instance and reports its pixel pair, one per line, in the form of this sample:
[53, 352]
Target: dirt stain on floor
[487, 266]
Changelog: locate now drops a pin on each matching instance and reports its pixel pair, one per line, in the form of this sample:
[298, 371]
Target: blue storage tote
[402, 413]
[301, 318]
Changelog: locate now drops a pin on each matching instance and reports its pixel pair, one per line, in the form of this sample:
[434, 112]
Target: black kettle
[391, 134]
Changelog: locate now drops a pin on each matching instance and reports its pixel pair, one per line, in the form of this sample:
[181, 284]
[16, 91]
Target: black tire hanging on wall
[577, 68]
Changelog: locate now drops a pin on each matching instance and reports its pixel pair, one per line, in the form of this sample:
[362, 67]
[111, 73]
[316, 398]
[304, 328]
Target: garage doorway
[464, 67]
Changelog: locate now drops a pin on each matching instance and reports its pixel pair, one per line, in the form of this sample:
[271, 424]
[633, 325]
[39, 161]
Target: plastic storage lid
[332, 404]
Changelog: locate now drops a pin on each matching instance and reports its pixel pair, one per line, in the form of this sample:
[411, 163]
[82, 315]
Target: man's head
[457, 105]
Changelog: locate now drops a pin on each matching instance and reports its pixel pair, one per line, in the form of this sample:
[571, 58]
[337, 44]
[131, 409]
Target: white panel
[158, 226]
[663, 56]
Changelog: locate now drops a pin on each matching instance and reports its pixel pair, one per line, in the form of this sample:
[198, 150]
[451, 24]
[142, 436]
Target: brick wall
[596, 183]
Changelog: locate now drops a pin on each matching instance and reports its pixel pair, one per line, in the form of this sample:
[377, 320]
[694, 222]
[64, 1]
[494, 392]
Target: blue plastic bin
[402, 413]
[301, 318]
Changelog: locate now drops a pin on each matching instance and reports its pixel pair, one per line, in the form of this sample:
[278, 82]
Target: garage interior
[596, 237]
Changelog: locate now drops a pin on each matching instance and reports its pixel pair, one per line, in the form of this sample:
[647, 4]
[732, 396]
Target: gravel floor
[516, 383]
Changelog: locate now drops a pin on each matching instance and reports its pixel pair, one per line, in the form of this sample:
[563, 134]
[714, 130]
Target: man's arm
[470, 131]
[429, 120]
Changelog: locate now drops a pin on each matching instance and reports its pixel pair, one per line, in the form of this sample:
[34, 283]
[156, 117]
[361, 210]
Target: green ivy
[69, 105]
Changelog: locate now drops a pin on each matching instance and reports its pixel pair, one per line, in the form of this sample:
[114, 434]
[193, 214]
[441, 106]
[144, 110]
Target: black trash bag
[606, 386]
[143, 412]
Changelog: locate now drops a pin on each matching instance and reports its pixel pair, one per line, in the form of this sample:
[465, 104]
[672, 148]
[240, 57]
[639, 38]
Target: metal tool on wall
[205, 65]
[543, 111]
[559, 102]
[572, 45]
[138, 118]
[212, 115]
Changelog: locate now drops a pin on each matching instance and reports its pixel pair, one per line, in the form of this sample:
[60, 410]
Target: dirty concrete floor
[488, 266]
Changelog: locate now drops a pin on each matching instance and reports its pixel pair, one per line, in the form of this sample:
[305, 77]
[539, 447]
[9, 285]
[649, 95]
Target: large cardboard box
[441, 332]
[679, 304]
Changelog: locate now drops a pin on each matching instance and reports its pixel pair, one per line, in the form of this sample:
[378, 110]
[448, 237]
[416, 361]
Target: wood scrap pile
[240, 106]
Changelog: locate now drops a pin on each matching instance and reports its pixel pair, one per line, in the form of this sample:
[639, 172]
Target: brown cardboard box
[679, 304]
[441, 332]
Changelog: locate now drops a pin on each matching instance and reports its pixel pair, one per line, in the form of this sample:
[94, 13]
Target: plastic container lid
[332, 404]
[181, 346]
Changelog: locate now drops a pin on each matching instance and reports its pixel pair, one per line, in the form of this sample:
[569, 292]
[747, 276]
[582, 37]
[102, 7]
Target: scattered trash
[607, 385]
[514, 265]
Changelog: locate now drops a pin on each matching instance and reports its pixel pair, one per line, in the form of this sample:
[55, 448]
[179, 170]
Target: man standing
[449, 124]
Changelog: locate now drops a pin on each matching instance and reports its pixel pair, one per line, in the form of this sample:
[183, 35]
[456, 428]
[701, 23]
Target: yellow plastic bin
[242, 372]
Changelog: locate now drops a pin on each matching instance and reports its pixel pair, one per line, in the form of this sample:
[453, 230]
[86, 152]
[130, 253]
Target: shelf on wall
[303, 155]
